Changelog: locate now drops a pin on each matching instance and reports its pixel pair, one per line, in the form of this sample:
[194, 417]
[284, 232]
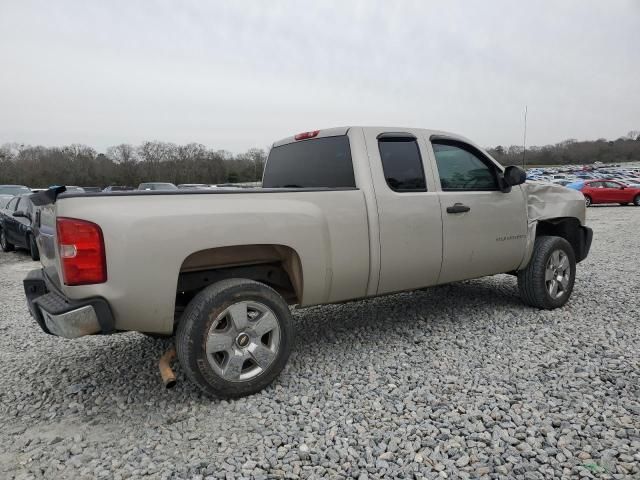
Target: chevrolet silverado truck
[342, 214]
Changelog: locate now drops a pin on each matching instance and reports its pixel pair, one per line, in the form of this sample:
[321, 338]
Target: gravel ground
[459, 381]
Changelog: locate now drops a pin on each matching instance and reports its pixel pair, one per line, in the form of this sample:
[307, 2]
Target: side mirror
[22, 214]
[514, 176]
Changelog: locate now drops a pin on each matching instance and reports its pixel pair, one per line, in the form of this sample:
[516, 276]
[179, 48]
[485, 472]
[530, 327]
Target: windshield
[13, 190]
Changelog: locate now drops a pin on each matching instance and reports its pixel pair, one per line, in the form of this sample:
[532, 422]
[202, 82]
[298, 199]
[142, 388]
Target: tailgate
[45, 228]
[46, 239]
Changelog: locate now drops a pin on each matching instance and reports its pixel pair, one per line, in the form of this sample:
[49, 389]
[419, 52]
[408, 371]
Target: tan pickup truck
[343, 213]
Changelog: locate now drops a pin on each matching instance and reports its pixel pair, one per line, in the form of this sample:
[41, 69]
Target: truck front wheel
[548, 280]
[4, 243]
[234, 338]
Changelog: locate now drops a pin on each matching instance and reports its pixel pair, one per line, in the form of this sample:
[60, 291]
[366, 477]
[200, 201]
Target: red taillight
[81, 248]
[305, 135]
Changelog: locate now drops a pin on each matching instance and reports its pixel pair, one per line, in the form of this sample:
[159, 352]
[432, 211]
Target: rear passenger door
[614, 192]
[408, 210]
[484, 229]
[596, 191]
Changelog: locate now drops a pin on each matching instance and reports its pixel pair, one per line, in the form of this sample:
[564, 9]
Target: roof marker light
[306, 135]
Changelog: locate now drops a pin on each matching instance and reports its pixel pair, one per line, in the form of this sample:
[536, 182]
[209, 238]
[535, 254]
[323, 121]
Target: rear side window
[402, 164]
[318, 163]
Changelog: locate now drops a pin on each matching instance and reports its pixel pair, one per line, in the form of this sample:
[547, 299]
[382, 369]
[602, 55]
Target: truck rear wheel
[234, 338]
[548, 280]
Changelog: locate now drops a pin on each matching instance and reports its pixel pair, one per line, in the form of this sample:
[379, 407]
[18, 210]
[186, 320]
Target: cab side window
[462, 169]
[402, 163]
[613, 185]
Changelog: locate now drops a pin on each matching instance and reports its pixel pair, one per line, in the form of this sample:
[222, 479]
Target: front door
[614, 193]
[11, 222]
[484, 229]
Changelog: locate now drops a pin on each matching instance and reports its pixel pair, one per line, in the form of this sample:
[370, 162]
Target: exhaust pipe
[166, 372]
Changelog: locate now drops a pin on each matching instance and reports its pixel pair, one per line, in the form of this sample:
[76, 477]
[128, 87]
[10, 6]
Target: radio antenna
[524, 139]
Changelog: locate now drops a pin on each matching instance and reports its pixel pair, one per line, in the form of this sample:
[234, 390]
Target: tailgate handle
[458, 208]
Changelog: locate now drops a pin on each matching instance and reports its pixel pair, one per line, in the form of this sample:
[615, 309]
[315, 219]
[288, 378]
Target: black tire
[532, 283]
[33, 248]
[4, 243]
[587, 200]
[205, 310]
[636, 201]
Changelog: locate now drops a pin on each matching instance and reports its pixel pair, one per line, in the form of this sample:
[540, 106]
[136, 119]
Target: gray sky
[235, 75]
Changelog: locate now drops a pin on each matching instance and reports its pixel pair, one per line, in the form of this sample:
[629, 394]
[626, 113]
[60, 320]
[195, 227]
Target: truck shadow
[445, 305]
[111, 368]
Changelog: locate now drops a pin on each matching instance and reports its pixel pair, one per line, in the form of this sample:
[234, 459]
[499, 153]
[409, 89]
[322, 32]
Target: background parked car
[91, 189]
[74, 189]
[564, 183]
[632, 182]
[16, 226]
[157, 186]
[7, 192]
[609, 191]
[118, 188]
[192, 186]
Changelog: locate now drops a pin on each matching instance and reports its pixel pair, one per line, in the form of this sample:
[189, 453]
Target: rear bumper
[61, 316]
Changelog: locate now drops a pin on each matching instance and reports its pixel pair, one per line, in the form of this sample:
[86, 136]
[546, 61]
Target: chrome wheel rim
[243, 341]
[587, 201]
[3, 240]
[557, 274]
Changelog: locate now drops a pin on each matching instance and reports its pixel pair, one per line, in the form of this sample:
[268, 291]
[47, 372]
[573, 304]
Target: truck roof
[336, 131]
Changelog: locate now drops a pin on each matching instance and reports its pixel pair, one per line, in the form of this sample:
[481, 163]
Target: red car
[609, 191]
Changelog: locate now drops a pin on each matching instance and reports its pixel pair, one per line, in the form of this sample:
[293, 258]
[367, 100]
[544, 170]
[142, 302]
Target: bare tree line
[124, 164]
[38, 166]
[573, 152]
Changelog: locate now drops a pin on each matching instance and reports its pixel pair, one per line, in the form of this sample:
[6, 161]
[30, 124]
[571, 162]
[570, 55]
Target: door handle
[458, 208]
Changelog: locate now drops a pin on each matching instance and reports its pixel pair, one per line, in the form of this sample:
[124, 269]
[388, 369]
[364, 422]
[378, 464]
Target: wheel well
[567, 228]
[278, 266]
